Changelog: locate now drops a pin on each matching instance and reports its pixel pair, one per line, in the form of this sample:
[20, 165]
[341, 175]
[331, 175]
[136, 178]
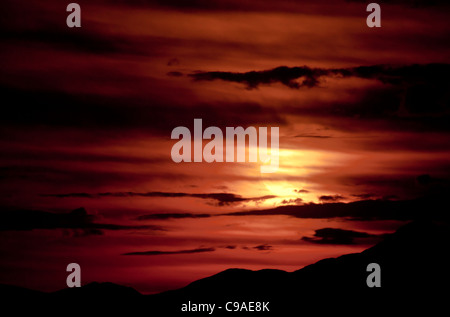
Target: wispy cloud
[365, 210]
[330, 198]
[172, 216]
[263, 247]
[337, 236]
[304, 76]
[190, 251]
[222, 199]
[20, 220]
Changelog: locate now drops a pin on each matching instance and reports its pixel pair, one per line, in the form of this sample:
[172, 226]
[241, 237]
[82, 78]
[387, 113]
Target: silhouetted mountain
[94, 289]
[413, 265]
[11, 292]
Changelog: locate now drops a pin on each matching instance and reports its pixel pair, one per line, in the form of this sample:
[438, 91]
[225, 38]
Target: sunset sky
[87, 114]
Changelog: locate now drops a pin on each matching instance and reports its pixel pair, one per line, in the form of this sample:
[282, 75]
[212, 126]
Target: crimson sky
[87, 114]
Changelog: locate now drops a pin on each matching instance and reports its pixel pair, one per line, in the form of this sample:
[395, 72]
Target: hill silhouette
[413, 262]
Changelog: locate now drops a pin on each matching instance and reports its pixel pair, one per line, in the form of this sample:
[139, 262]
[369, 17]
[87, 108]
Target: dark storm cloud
[366, 210]
[385, 108]
[222, 199]
[414, 97]
[304, 76]
[330, 198]
[337, 236]
[191, 251]
[20, 220]
[285, 75]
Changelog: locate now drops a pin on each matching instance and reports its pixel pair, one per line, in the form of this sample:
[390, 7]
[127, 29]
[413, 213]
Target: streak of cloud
[222, 199]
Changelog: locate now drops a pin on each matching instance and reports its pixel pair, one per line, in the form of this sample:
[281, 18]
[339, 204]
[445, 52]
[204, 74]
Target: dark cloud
[40, 109]
[56, 155]
[426, 180]
[330, 198]
[222, 199]
[434, 186]
[365, 210]
[288, 76]
[66, 173]
[46, 30]
[296, 201]
[263, 247]
[78, 219]
[336, 236]
[301, 191]
[386, 108]
[403, 186]
[304, 76]
[415, 91]
[364, 196]
[83, 40]
[199, 250]
[390, 197]
[172, 216]
[261, 5]
[381, 102]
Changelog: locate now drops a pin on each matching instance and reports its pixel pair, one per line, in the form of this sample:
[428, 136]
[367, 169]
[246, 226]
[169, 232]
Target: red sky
[89, 111]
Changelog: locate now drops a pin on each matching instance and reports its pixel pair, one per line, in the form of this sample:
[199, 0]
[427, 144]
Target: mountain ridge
[412, 260]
